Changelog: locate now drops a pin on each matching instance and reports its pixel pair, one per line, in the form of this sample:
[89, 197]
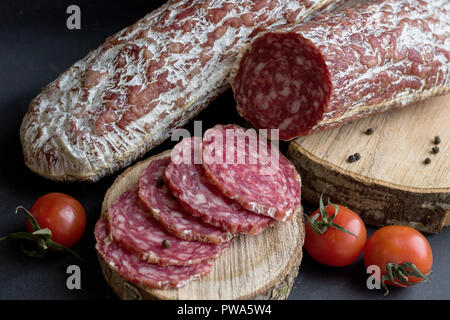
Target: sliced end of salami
[189, 183]
[134, 228]
[282, 82]
[248, 169]
[137, 271]
[156, 195]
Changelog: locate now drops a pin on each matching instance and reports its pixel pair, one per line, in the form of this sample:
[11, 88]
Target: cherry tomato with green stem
[56, 221]
[402, 253]
[62, 214]
[334, 235]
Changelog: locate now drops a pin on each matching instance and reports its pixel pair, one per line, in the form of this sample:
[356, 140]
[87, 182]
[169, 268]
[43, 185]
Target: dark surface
[35, 46]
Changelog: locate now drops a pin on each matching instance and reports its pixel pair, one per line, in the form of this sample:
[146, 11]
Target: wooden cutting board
[254, 267]
[390, 184]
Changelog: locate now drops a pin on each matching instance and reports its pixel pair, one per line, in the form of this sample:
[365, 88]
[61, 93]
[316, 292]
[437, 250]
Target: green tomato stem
[326, 221]
[42, 238]
[398, 274]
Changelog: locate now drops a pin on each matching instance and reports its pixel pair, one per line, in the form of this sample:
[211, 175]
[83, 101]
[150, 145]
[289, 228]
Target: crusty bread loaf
[128, 95]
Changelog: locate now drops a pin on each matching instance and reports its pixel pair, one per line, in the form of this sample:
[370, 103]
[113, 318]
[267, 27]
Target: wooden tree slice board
[390, 184]
[254, 267]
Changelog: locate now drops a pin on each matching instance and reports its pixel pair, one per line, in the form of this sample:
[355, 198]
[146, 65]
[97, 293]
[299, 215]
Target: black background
[35, 46]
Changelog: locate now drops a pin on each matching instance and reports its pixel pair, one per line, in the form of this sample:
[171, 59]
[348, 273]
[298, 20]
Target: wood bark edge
[378, 203]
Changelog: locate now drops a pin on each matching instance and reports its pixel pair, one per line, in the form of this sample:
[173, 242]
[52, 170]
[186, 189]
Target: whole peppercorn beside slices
[166, 244]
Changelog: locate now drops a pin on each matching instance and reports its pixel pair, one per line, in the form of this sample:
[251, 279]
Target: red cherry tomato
[335, 247]
[62, 214]
[398, 244]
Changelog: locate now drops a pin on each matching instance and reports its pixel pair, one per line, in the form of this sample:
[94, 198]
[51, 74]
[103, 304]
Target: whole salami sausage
[248, 169]
[158, 198]
[134, 228]
[186, 178]
[346, 65]
[140, 272]
[128, 95]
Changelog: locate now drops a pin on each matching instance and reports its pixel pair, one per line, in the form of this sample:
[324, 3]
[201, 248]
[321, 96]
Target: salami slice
[346, 65]
[188, 182]
[158, 198]
[134, 228]
[137, 271]
[249, 170]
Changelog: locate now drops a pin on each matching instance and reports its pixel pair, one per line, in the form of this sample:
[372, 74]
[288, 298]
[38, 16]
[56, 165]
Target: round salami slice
[249, 170]
[140, 272]
[158, 198]
[189, 184]
[134, 228]
[285, 94]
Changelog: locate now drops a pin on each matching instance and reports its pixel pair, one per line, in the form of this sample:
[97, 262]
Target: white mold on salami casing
[352, 63]
[128, 95]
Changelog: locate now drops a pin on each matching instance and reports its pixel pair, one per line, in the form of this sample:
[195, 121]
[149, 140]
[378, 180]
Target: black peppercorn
[435, 149]
[160, 182]
[437, 140]
[369, 131]
[166, 243]
[354, 157]
[427, 161]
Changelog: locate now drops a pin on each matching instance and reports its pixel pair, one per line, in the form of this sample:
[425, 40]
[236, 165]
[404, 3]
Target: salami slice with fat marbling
[186, 178]
[158, 198]
[134, 228]
[345, 65]
[140, 272]
[250, 170]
